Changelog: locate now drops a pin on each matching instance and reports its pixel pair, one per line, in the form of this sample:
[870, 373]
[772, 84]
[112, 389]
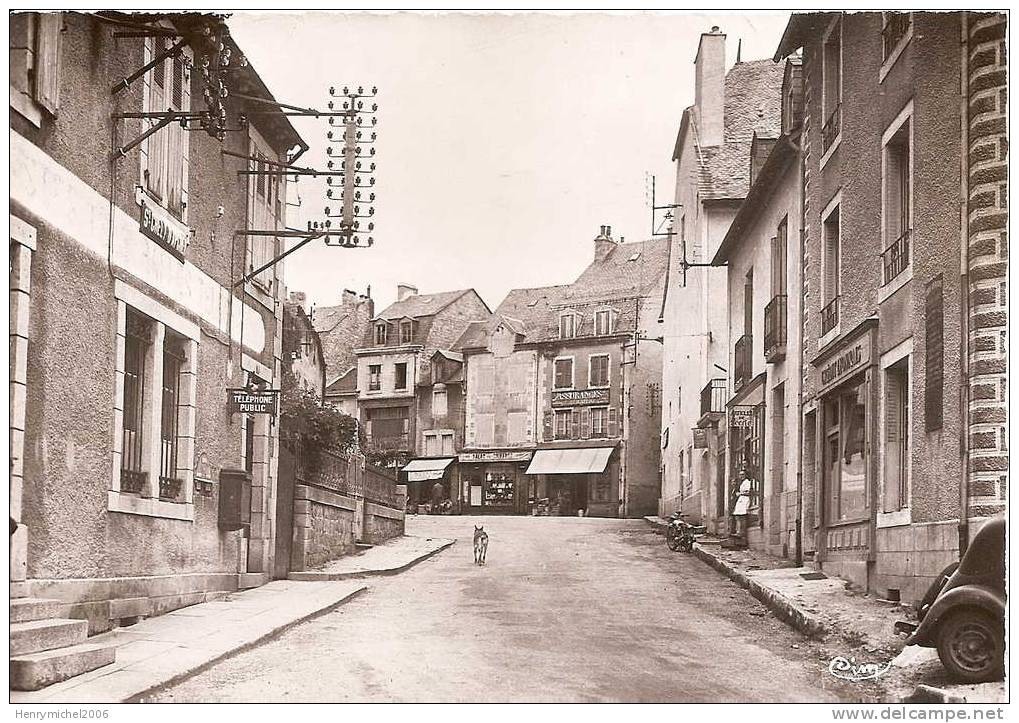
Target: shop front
[492, 482]
[421, 476]
[574, 481]
[745, 435]
[845, 506]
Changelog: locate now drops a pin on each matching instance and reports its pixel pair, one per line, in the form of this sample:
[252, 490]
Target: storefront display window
[845, 417]
[499, 488]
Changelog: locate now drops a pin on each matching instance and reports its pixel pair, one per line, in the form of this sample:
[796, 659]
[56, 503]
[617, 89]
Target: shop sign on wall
[700, 438]
[579, 397]
[158, 224]
[249, 401]
[742, 417]
[847, 363]
[495, 456]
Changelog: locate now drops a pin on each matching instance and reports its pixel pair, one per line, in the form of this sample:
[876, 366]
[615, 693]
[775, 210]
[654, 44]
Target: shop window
[896, 443]
[563, 423]
[35, 40]
[381, 332]
[440, 407]
[845, 465]
[897, 197]
[374, 377]
[406, 332]
[165, 157]
[599, 421]
[401, 375]
[499, 488]
[603, 322]
[567, 326]
[564, 373]
[598, 370]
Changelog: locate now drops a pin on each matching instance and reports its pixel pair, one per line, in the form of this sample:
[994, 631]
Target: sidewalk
[388, 559]
[850, 623]
[166, 649]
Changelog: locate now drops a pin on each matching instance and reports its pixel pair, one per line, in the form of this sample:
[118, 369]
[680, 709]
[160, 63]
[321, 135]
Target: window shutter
[47, 61]
[613, 423]
[585, 422]
[157, 141]
[175, 139]
[934, 371]
[549, 431]
[185, 137]
[892, 449]
[574, 424]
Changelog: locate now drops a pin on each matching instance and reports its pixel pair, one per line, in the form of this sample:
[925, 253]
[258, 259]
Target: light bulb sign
[252, 401]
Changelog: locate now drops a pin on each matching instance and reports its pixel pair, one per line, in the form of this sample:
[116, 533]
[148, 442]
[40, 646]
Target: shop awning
[590, 460]
[419, 470]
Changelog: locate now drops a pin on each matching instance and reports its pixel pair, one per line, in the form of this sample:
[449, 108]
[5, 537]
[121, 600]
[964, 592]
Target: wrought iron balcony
[743, 362]
[896, 27]
[895, 258]
[830, 316]
[775, 329]
[832, 127]
[713, 397]
[132, 481]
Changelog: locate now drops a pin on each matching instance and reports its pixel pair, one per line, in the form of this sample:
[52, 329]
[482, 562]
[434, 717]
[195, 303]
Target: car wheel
[971, 646]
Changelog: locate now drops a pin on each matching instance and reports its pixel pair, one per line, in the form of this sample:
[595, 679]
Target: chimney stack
[603, 243]
[709, 87]
[299, 297]
[349, 297]
[405, 290]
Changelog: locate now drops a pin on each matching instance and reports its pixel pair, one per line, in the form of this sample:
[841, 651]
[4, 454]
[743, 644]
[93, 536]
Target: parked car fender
[960, 597]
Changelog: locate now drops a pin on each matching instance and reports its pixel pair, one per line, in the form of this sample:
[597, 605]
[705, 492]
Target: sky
[504, 140]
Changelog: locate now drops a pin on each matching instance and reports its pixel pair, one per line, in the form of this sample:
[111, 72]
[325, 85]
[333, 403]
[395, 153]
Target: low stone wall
[324, 526]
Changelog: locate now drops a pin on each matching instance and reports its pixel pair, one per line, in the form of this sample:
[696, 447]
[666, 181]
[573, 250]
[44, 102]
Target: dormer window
[603, 322]
[567, 326]
[406, 332]
[381, 333]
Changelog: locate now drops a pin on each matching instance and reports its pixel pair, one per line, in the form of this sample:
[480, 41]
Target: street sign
[250, 401]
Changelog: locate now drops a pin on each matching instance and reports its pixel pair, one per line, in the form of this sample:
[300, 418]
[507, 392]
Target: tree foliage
[308, 427]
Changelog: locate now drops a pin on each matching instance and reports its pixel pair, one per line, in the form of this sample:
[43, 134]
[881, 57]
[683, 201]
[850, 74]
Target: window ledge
[826, 156]
[894, 519]
[149, 507]
[829, 337]
[887, 65]
[889, 289]
[256, 291]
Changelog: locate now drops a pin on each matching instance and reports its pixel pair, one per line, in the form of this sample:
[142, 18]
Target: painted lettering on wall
[569, 398]
[846, 363]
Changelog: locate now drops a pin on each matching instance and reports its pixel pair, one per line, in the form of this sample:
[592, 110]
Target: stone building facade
[129, 324]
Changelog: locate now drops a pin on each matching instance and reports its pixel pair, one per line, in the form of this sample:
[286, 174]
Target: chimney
[349, 297]
[709, 87]
[603, 243]
[300, 298]
[405, 290]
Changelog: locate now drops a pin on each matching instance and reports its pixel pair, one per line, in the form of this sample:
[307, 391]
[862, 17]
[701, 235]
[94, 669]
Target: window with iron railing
[831, 128]
[831, 99]
[743, 362]
[895, 258]
[713, 397]
[775, 327]
[170, 484]
[830, 316]
[896, 25]
[138, 338]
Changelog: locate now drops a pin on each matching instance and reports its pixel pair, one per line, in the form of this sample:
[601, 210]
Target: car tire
[971, 645]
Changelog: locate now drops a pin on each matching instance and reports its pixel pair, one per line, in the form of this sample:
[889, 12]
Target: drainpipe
[799, 386]
[964, 285]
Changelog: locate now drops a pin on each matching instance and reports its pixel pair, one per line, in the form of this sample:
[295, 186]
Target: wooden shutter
[157, 141]
[548, 426]
[175, 139]
[574, 424]
[47, 61]
[892, 443]
[934, 366]
[613, 423]
[585, 422]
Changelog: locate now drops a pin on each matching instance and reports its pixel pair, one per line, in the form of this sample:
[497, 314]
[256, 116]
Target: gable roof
[629, 269]
[752, 104]
[420, 305]
[346, 383]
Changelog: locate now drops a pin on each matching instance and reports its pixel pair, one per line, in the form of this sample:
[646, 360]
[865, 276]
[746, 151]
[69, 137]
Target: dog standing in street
[480, 545]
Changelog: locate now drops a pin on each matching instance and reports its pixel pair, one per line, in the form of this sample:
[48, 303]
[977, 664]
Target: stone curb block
[784, 609]
[312, 576]
[246, 645]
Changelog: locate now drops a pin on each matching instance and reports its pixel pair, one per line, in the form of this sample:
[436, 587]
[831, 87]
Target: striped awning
[419, 470]
[589, 460]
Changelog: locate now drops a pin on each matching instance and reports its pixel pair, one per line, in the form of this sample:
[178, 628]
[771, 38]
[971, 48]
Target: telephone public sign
[248, 401]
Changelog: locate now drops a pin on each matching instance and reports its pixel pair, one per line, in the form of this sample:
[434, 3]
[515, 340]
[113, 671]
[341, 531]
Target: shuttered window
[599, 422]
[563, 374]
[934, 358]
[896, 437]
[563, 423]
[165, 153]
[266, 195]
[35, 47]
[598, 372]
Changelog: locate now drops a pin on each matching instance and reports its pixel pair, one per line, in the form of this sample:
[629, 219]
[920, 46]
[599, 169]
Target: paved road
[567, 609]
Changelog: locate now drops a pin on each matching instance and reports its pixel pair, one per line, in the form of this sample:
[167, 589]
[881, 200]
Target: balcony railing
[830, 316]
[132, 481]
[895, 258]
[713, 397]
[743, 363]
[831, 128]
[775, 328]
[896, 27]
